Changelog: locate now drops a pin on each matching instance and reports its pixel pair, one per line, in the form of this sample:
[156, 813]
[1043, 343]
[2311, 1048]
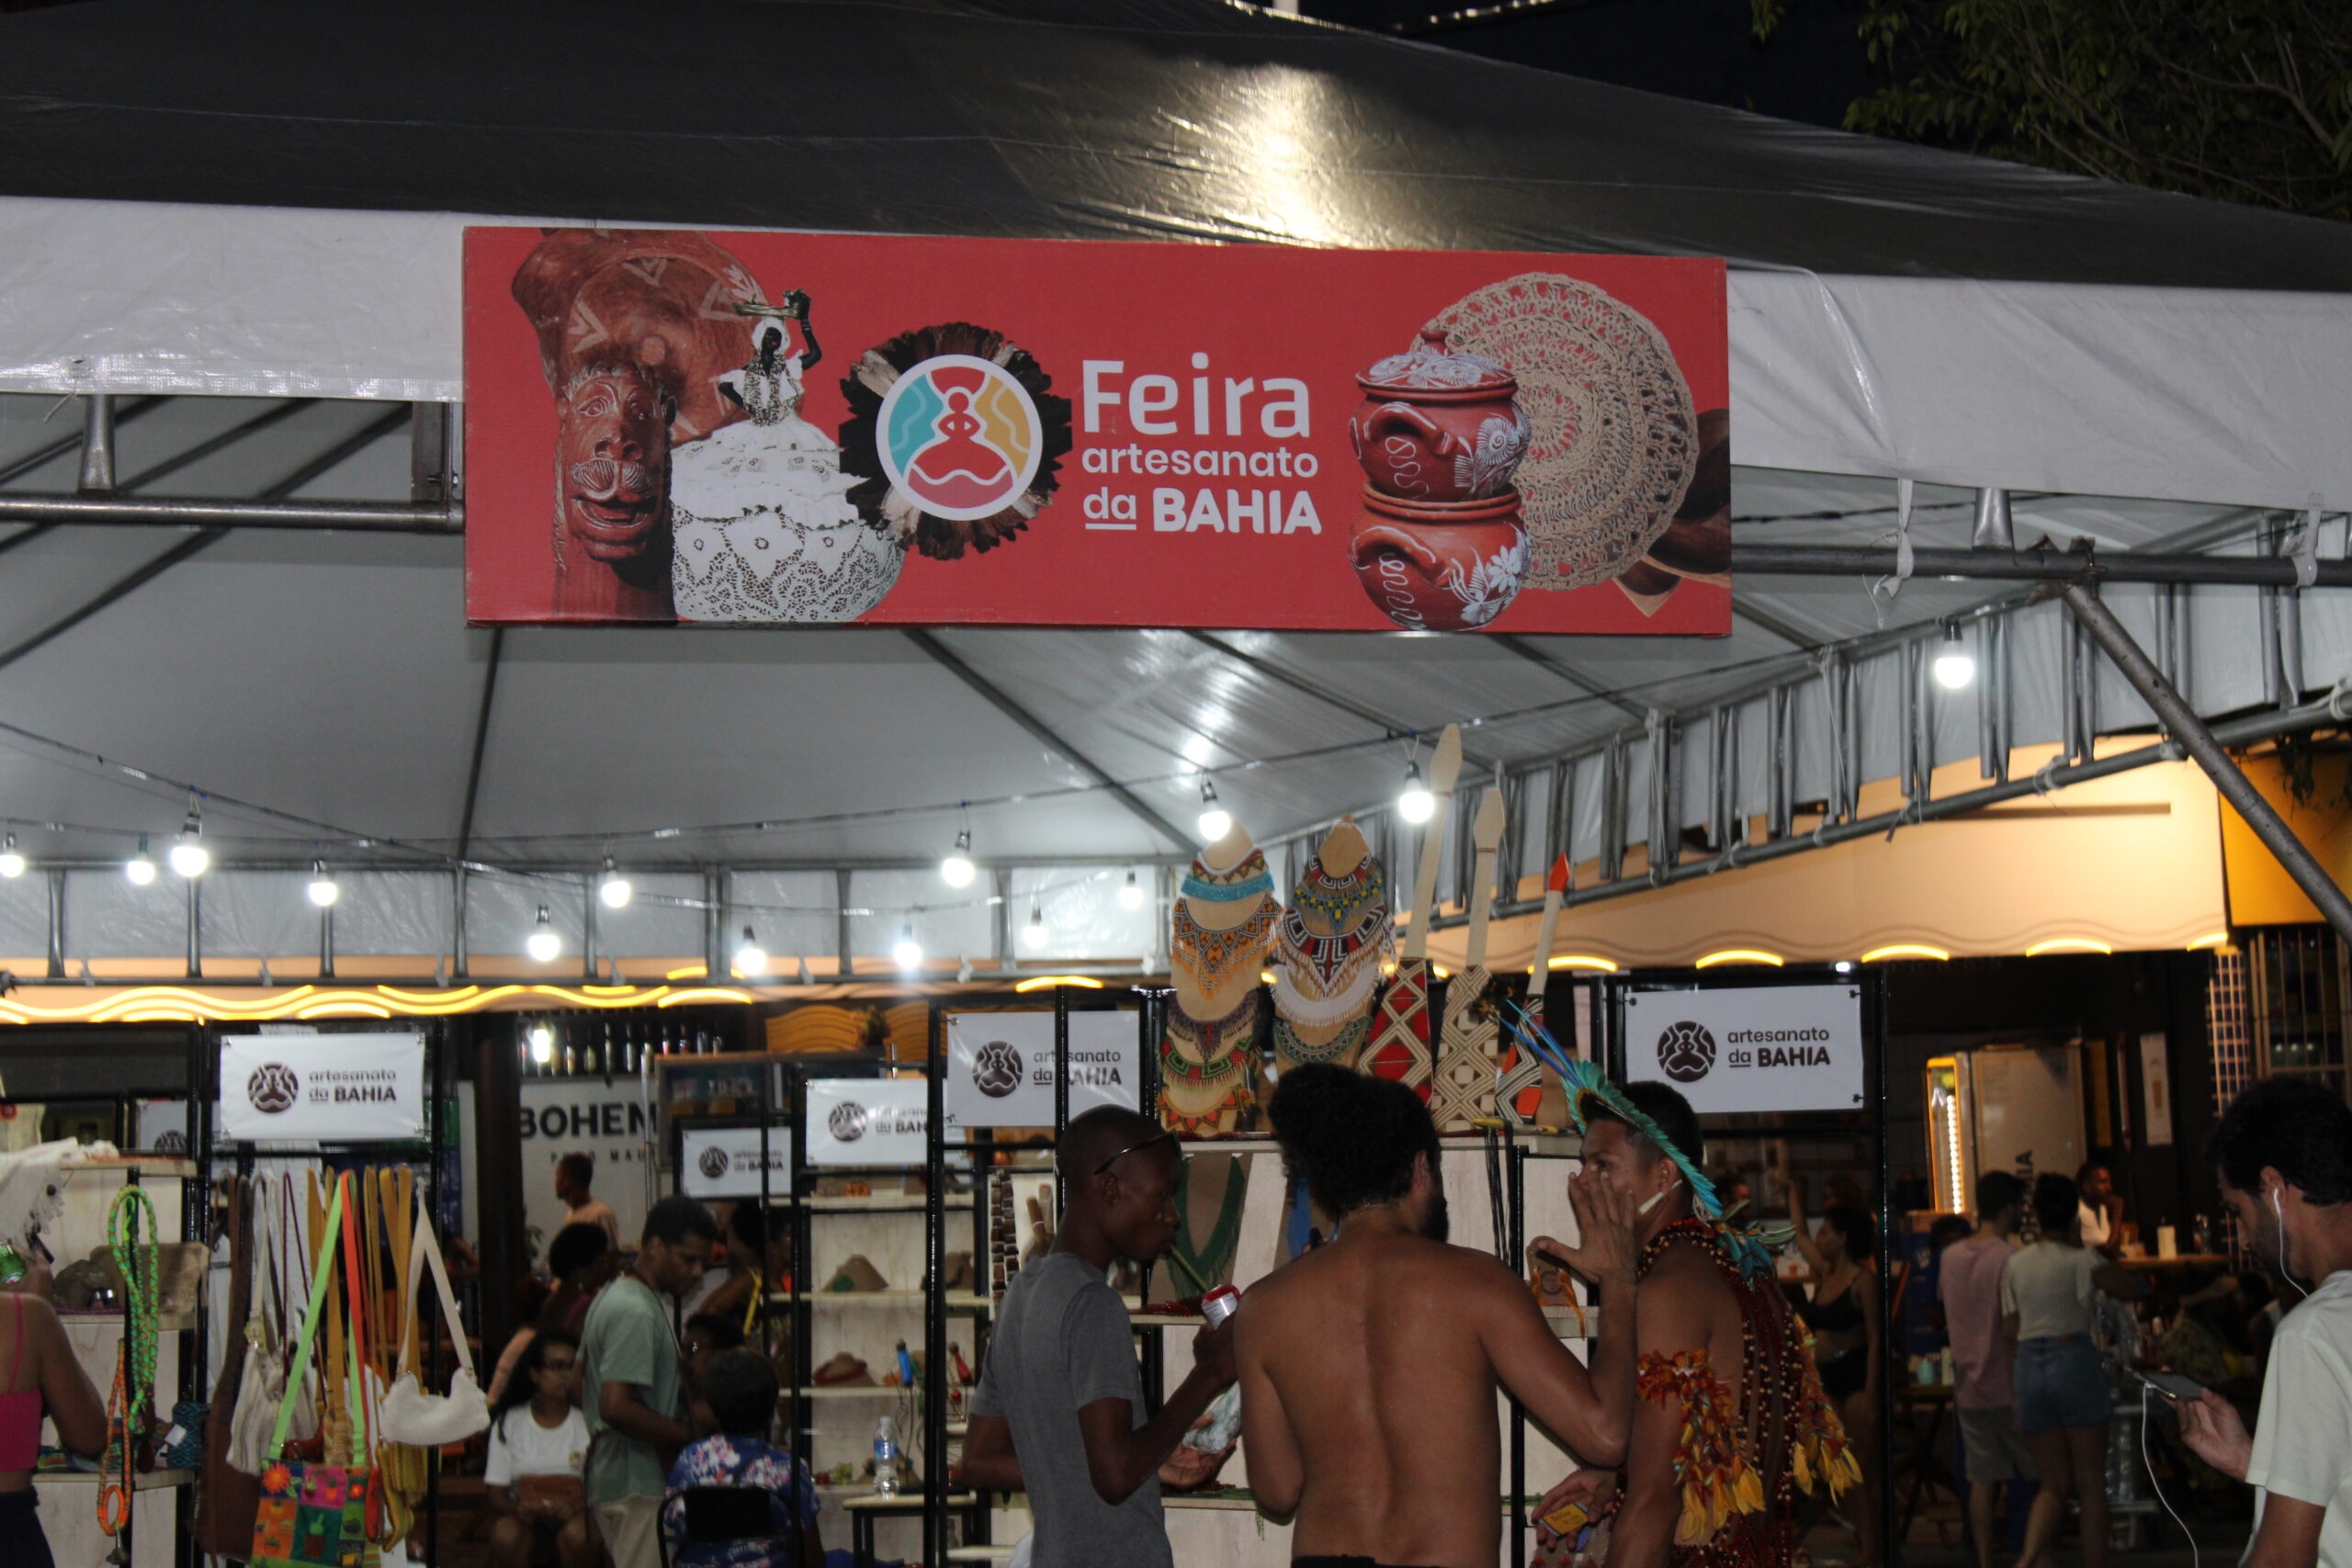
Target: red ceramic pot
[1438, 426]
[1440, 565]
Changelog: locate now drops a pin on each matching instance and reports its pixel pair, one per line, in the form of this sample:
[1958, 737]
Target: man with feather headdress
[1729, 1422]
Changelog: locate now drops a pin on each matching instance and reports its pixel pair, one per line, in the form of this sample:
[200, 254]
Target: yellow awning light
[343, 1006]
[703, 994]
[1266, 977]
[1438, 969]
[1905, 950]
[1047, 982]
[1583, 960]
[691, 972]
[2068, 944]
[2210, 939]
[1741, 956]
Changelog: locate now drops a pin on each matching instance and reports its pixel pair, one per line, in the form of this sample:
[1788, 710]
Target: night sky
[1703, 50]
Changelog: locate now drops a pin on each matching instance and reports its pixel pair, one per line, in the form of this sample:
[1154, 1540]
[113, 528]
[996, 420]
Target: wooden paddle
[1463, 1092]
[1520, 1085]
[1400, 1041]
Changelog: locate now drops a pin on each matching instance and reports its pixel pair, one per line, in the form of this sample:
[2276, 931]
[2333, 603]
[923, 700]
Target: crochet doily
[769, 568]
[1615, 439]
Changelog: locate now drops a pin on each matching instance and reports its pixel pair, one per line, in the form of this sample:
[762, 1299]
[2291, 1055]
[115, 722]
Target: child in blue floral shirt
[740, 1390]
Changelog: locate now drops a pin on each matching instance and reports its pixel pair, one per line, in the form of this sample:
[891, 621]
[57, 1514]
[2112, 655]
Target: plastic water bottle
[886, 1459]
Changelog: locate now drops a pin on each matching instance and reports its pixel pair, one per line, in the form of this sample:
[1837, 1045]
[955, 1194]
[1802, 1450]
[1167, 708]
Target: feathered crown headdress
[1752, 1247]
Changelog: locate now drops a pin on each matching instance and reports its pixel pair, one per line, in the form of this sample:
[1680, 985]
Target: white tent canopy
[2139, 371]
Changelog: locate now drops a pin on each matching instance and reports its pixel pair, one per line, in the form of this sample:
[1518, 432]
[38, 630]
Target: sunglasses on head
[1161, 1137]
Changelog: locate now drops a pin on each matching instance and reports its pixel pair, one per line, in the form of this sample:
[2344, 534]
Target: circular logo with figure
[960, 436]
[846, 1121]
[1685, 1053]
[713, 1162]
[996, 1068]
[273, 1088]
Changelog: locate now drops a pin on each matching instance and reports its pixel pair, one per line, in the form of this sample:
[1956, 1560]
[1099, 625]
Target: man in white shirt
[2283, 1151]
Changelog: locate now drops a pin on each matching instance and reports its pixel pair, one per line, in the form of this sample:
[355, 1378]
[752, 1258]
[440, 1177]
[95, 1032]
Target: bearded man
[1369, 1366]
[1731, 1423]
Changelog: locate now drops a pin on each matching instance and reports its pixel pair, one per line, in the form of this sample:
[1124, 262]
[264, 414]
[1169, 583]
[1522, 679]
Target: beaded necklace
[134, 1362]
[1216, 960]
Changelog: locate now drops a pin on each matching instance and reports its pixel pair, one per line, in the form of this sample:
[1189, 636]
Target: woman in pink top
[43, 1377]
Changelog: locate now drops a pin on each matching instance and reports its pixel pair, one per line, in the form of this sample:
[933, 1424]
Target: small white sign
[340, 1088]
[1755, 1048]
[877, 1122]
[724, 1162]
[2156, 1090]
[1000, 1066]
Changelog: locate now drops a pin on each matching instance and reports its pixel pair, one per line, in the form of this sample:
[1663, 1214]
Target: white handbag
[281, 1276]
[410, 1414]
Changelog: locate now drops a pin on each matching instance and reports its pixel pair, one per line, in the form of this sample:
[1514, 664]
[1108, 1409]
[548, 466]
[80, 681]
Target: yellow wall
[2261, 893]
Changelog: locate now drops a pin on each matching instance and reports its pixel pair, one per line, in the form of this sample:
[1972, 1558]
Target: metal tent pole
[2190, 731]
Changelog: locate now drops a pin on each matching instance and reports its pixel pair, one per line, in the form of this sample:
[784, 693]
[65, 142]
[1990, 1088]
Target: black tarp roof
[1167, 119]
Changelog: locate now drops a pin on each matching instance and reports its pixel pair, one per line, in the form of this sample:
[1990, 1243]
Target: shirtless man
[1369, 1366]
[1710, 1292]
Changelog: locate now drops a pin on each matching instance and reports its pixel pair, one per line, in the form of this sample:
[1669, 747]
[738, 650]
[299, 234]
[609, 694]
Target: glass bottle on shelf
[589, 1062]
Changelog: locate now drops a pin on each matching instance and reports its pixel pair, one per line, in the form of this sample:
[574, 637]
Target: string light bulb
[957, 870]
[140, 867]
[1130, 892]
[750, 958]
[1215, 820]
[542, 1040]
[543, 945]
[615, 889]
[1416, 804]
[324, 889]
[188, 856]
[12, 864]
[1034, 935]
[907, 950]
[1955, 667]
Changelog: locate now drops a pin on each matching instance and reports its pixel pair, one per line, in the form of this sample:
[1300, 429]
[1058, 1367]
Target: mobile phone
[2173, 1386]
[1568, 1519]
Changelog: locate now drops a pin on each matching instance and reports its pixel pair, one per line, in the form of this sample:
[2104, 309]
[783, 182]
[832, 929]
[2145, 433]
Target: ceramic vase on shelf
[1439, 545]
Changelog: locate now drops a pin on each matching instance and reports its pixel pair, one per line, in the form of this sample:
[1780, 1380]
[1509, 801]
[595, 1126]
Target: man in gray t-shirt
[1059, 1408]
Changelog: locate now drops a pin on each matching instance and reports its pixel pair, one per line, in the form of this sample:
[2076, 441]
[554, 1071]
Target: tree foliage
[2244, 101]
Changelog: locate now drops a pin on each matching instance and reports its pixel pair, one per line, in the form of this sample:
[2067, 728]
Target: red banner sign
[670, 426]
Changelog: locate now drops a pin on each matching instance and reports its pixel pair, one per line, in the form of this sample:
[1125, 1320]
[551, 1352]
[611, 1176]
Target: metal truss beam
[2035, 566]
[2242, 732]
[1573, 676]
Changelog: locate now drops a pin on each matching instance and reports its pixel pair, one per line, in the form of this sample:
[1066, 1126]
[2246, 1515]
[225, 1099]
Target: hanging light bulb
[1955, 666]
[957, 870]
[542, 1040]
[12, 864]
[750, 958]
[1215, 820]
[1416, 804]
[615, 889]
[189, 857]
[907, 950]
[544, 944]
[140, 867]
[324, 889]
[1130, 893]
[1034, 935]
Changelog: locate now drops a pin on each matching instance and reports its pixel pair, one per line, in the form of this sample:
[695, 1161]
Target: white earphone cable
[2195, 1558]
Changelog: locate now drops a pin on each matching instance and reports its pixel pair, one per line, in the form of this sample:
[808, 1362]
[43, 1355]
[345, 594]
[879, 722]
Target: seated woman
[538, 1440]
[739, 1389]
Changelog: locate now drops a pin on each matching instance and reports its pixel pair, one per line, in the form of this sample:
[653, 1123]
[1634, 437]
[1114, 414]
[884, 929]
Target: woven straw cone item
[1615, 440]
